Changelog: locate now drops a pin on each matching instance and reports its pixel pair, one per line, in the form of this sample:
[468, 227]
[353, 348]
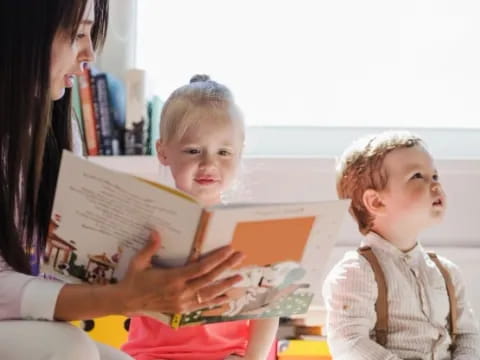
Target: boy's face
[204, 161]
[414, 196]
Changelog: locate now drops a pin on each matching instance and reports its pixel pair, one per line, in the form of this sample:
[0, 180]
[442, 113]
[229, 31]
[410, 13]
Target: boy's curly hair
[361, 168]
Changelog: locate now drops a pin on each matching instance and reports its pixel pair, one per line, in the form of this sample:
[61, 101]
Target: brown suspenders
[381, 305]
[452, 299]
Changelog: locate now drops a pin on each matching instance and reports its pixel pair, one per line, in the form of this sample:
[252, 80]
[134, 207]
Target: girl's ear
[161, 154]
[372, 200]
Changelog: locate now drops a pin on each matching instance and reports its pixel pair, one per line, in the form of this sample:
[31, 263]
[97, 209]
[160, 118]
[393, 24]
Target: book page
[101, 218]
[268, 234]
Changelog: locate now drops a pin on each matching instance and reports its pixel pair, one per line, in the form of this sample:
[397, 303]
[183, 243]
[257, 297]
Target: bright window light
[410, 63]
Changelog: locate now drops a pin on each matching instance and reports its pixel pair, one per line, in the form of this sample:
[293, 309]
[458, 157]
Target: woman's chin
[58, 94]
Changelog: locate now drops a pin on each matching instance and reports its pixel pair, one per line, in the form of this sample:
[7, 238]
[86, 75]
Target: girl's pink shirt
[149, 339]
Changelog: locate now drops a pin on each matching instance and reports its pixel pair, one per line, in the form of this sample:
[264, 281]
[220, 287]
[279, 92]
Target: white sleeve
[26, 297]
[350, 293]
[468, 338]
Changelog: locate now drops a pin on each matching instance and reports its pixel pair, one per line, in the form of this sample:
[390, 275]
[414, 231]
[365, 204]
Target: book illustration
[264, 291]
[260, 287]
[61, 260]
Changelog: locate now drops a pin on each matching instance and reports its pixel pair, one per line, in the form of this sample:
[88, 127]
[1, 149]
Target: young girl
[201, 141]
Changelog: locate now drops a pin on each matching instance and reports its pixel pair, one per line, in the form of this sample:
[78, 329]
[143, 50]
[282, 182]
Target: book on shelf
[88, 112]
[137, 120]
[103, 112]
[102, 217]
[157, 106]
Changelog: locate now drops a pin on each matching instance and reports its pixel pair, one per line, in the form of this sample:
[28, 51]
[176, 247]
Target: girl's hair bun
[199, 78]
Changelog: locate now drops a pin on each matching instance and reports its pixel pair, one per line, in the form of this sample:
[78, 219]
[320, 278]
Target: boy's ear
[161, 155]
[372, 200]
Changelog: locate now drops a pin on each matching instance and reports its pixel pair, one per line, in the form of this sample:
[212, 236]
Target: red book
[89, 120]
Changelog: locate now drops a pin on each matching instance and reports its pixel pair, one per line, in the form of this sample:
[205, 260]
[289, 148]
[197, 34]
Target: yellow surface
[108, 330]
[287, 348]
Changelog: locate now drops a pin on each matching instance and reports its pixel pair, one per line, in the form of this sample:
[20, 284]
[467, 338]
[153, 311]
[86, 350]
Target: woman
[44, 44]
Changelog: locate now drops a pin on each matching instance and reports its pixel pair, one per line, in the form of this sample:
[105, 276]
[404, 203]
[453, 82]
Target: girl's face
[68, 56]
[204, 161]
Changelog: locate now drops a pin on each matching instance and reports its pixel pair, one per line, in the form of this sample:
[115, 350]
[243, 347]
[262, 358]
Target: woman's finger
[211, 291]
[143, 258]
[207, 264]
[204, 280]
[194, 305]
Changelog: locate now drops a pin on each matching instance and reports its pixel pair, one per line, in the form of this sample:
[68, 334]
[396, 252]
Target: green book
[157, 105]
[77, 105]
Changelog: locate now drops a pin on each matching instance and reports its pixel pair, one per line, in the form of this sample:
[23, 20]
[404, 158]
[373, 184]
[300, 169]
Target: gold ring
[199, 298]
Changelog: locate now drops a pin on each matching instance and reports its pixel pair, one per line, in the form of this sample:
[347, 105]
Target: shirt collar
[376, 241]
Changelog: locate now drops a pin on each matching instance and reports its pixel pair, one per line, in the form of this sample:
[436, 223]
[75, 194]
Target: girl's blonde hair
[361, 168]
[200, 92]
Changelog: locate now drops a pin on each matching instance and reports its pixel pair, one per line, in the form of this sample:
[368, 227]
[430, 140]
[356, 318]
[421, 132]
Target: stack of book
[302, 337]
[115, 117]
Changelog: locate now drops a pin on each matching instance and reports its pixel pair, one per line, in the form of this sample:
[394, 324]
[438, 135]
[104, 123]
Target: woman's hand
[176, 290]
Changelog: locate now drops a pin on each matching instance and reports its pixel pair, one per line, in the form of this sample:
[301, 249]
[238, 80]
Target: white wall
[297, 179]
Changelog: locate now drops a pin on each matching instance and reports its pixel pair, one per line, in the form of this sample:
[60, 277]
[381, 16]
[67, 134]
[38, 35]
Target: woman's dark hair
[33, 129]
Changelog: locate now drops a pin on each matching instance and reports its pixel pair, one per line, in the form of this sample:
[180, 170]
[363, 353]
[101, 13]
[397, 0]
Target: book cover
[116, 94]
[104, 114]
[96, 109]
[157, 105]
[88, 113]
[77, 104]
[137, 120]
[101, 218]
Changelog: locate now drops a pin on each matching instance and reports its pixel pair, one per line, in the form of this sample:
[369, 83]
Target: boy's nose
[436, 187]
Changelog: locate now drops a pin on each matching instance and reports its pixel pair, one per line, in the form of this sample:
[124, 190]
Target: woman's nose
[86, 56]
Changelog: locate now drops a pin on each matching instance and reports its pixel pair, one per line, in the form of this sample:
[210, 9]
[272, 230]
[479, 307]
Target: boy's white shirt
[418, 307]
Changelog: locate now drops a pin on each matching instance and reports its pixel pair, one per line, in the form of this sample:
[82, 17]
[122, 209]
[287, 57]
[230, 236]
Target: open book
[102, 217]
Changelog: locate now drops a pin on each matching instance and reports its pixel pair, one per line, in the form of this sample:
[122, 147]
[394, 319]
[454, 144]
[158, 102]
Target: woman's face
[69, 56]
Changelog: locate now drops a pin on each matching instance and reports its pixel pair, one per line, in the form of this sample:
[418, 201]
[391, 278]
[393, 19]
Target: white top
[29, 297]
[418, 307]
[26, 297]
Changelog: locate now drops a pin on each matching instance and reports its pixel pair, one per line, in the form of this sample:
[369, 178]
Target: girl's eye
[80, 36]
[417, 176]
[435, 177]
[192, 151]
[224, 153]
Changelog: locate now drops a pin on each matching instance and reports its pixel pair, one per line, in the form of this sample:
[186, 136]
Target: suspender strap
[451, 295]
[381, 305]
